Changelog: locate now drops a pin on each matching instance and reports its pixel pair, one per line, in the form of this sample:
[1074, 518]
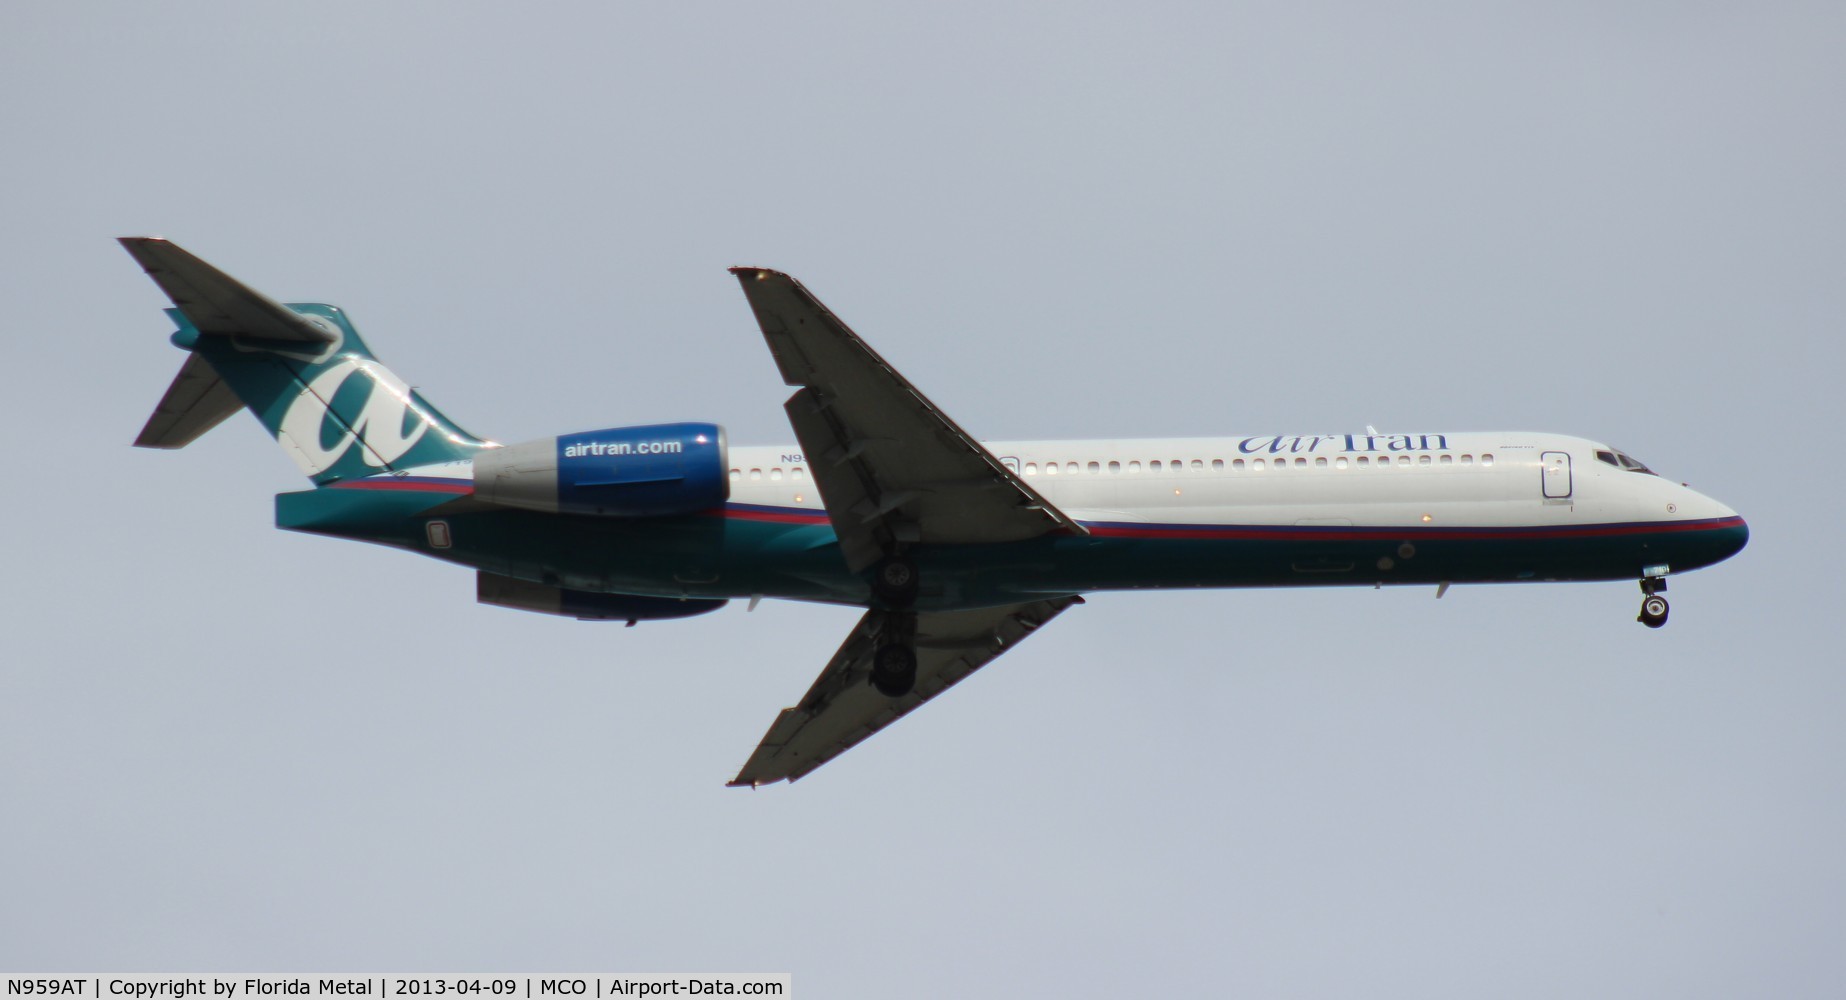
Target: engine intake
[647, 471]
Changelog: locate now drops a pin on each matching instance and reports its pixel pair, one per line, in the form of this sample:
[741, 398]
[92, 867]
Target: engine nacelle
[621, 472]
[524, 595]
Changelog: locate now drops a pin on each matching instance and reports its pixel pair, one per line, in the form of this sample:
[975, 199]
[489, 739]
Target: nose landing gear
[1653, 606]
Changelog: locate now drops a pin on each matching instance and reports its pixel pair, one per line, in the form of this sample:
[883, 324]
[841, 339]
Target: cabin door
[1557, 475]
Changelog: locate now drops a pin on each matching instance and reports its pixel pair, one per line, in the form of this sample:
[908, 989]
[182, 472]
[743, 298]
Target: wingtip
[759, 273]
[146, 250]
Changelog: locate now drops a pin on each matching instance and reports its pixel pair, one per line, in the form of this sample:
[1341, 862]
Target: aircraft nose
[1728, 534]
[1720, 532]
[1739, 536]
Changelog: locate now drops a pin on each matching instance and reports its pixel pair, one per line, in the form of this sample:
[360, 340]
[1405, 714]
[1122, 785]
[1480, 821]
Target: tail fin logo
[379, 425]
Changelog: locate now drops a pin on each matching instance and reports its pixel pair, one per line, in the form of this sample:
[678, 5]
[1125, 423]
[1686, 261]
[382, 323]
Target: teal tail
[301, 368]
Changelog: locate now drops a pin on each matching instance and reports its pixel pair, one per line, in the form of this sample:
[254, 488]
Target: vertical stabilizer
[301, 368]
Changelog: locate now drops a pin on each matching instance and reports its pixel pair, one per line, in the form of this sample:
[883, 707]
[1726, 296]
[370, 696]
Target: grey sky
[224, 747]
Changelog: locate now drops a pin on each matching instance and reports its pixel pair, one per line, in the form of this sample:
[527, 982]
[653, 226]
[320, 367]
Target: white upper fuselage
[1477, 479]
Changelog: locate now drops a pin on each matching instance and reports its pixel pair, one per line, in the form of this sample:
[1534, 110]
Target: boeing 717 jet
[956, 548]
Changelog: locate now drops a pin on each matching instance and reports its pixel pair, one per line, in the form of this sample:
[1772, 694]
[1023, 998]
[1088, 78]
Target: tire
[894, 670]
[894, 582]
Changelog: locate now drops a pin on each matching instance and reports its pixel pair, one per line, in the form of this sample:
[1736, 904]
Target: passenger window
[1422, 459]
[1340, 463]
[1320, 462]
[1031, 468]
[1153, 466]
[1467, 460]
[1217, 465]
[1363, 461]
[1257, 464]
[1448, 459]
[1070, 467]
[800, 473]
[1198, 466]
[1051, 468]
[1236, 465]
[1301, 463]
[775, 475]
[736, 474]
[1403, 459]
[1134, 466]
[1095, 468]
[1486, 459]
[756, 474]
[1115, 467]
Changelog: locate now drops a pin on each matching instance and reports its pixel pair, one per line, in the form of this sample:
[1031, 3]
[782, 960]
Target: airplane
[956, 548]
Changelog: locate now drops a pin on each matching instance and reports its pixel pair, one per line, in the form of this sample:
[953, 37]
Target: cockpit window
[1622, 461]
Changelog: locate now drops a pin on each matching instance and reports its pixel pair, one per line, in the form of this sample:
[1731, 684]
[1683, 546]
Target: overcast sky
[228, 748]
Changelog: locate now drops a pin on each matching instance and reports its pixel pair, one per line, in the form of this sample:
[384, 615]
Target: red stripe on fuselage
[771, 515]
[1257, 532]
[407, 483]
[1386, 534]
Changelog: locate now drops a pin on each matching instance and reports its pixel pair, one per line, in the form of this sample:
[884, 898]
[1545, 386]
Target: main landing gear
[894, 669]
[894, 582]
[1653, 606]
[894, 659]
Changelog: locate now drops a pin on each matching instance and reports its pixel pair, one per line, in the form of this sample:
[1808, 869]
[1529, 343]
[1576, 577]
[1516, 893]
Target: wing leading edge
[842, 708]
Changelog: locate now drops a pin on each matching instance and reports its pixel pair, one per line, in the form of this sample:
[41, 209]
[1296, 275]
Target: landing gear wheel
[894, 670]
[1653, 611]
[894, 582]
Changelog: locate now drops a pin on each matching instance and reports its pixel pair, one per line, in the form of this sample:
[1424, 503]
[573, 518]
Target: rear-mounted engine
[621, 472]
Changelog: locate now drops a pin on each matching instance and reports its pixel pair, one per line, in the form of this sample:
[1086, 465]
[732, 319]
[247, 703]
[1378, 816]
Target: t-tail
[301, 368]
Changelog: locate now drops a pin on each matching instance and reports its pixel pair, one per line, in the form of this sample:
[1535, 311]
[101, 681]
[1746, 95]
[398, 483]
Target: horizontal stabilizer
[217, 303]
[197, 401]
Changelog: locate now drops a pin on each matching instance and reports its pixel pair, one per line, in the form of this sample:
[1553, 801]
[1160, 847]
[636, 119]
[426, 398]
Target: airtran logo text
[601, 449]
[379, 424]
[1343, 443]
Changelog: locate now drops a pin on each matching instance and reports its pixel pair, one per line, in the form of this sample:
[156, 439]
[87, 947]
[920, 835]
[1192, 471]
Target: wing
[842, 708]
[892, 468]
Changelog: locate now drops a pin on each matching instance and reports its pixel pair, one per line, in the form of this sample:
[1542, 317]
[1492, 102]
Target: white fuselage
[1478, 479]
